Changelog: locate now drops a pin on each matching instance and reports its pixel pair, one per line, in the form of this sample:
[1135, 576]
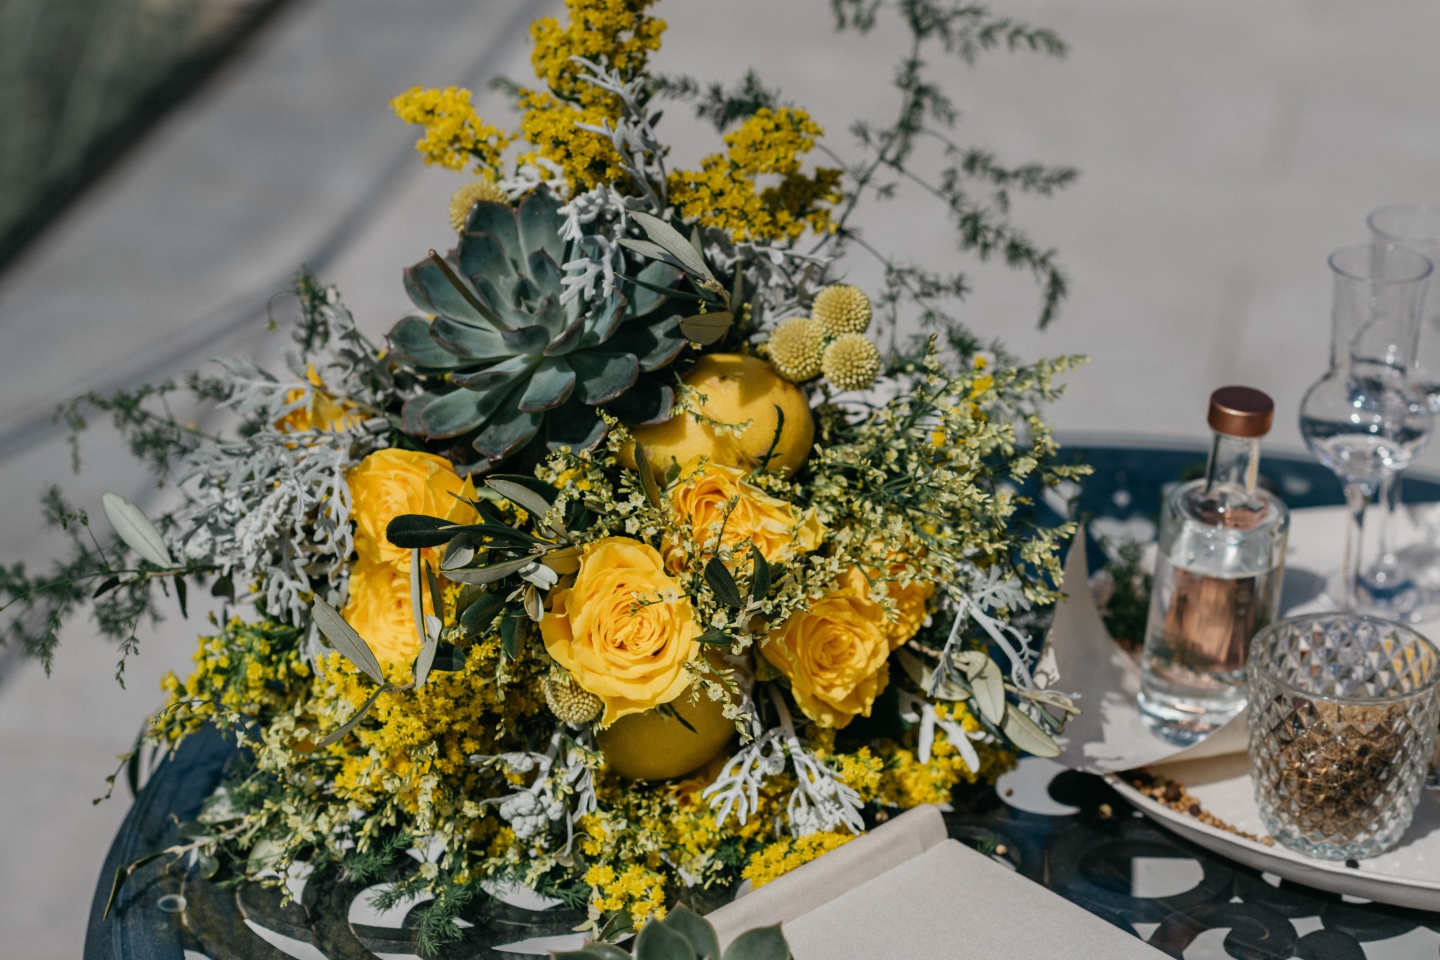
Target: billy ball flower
[570, 702]
[796, 347]
[470, 194]
[841, 308]
[851, 362]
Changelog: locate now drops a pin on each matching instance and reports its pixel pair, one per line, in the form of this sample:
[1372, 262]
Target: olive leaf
[354, 721]
[511, 633]
[133, 527]
[520, 495]
[647, 475]
[707, 328]
[182, 594]
[989, 686]
[652, 250]
[760, 578]
[480, 614]
[713, 637]
[674, 243]
[343, 637]
[410, 531]
[496, 571]
[1027, 735]
[533, 603]
[449, 657]
[723, 584]
[107, 586]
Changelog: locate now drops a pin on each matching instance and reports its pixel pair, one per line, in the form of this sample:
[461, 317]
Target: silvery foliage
[819, 802]
[989, 589]
[273, 509]
[595, 210]
[531, 811]
[916, 709]
[530, 175]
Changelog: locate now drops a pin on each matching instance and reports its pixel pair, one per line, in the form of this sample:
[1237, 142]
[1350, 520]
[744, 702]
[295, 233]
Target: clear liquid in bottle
[1217, 582]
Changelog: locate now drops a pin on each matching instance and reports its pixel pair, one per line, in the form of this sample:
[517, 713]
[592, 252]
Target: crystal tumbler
[1343, 714]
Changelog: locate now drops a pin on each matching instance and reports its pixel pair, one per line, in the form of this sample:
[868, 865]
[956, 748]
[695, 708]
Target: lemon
[655, 746]
[737, 389]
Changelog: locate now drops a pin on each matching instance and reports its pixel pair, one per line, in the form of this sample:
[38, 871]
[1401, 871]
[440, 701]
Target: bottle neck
[1234, 461]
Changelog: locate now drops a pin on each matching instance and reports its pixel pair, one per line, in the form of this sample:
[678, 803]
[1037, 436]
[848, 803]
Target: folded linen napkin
[842, 869]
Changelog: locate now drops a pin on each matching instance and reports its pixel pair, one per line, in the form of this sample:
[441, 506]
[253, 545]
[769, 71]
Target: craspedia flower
[467, 196]
[851, 362]
[796, 347]
[841, 308]
[570, 703]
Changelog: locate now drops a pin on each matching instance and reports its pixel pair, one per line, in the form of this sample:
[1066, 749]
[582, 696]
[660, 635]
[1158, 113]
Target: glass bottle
[1217, 577]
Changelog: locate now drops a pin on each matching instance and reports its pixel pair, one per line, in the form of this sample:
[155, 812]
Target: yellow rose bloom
[911, 602]
[379, 610]
[834, 653]
[703, 495]
[624, 629]
[392, 482]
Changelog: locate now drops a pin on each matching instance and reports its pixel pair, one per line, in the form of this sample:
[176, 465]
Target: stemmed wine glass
[1409, 581]
[1365, 419]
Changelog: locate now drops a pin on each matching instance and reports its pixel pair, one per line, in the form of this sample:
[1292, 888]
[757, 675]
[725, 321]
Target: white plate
[1407, 876]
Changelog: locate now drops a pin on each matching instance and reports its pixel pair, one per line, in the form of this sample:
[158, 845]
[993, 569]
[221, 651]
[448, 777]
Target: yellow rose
[703, 495]
[392, 482]
[379, 610]
[834, 653]
[910, 603]
[624, 629]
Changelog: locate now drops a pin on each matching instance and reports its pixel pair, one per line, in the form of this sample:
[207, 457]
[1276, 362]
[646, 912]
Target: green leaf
[533, 603]
[696, 930]
[707, 328]
[520, 495]
[593, 951]
[511, 633]
[354, 721]
[673, 242]
[437, 602]
[989, 686]
[647, 475]
[133, 527]
[762, 943]
[1025, 734]
[722, 583]
[652, 250]
[714, 637]
[192, 830]
[480, 614]
[343, 637]
[412, 531]
[659, 942]
[417, 609]
[760, 577]
[182, 594]
[496, 571]
[105, 588]
[207, 865]
[223, 587]
[449, 657]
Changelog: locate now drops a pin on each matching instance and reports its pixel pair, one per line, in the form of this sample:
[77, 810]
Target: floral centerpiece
[645, 556]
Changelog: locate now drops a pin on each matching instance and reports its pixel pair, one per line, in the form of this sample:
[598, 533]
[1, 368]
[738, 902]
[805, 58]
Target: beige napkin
[842, 869]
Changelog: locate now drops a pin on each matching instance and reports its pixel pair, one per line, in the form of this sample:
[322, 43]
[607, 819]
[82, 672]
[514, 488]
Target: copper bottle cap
[1241, 412]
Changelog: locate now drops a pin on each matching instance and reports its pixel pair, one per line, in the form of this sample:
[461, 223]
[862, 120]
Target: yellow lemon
[655, 746]
[736, 389]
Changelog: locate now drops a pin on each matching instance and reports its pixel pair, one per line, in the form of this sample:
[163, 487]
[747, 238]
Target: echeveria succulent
[507, 359]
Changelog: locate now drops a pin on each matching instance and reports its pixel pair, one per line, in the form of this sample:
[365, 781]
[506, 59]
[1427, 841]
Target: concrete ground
[1226, 148]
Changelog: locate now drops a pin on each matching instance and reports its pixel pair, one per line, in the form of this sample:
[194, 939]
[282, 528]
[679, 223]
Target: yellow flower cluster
[454, 134]
[787, 853]
[636, 889]
[616, 33]
[723, 192]
[906, 782]
[246, 669]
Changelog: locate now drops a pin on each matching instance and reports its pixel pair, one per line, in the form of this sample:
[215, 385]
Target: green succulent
[684, 935]
[503, 359]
